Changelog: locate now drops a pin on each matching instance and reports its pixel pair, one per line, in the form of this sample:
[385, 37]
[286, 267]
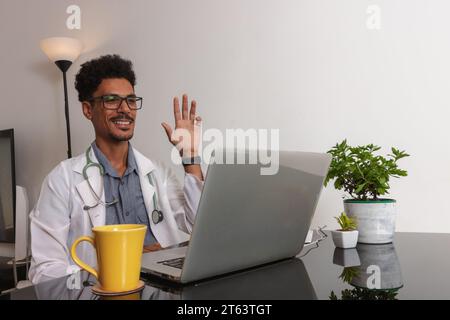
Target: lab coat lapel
[98, 213]
[166, 231]
[147, 192]
[145, 166]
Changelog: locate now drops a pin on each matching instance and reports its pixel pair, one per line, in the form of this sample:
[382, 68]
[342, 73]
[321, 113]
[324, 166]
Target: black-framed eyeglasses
[114, 101]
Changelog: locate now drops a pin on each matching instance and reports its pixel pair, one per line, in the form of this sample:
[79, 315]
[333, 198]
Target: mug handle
[81, 264]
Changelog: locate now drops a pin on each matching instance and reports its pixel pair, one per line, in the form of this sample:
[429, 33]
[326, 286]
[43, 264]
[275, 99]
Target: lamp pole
[63, 51]
[64, 65]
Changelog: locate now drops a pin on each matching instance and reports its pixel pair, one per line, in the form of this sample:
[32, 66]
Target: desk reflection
[372, 270]
[282, 280]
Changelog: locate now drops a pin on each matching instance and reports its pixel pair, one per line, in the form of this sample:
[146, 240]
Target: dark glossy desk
[415, 266]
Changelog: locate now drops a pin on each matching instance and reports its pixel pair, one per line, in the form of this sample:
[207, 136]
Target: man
[112, 183]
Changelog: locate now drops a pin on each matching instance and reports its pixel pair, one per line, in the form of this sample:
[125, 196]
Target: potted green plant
[347, 236]
[365, 177]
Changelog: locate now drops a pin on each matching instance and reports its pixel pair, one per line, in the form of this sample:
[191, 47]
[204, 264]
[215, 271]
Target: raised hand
[186, 136]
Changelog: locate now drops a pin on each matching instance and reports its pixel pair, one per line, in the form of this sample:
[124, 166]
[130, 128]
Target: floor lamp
[63, 52]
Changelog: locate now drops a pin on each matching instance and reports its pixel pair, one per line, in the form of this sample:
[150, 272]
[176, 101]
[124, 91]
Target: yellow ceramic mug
[119, 253]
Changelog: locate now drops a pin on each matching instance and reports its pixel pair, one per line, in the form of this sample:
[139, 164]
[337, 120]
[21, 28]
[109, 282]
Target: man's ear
[87, 110]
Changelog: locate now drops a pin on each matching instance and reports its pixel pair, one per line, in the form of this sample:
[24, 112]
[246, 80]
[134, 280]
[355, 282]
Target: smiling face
[111, 125]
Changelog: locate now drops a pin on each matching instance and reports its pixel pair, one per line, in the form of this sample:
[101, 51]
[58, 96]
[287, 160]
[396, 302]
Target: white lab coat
[58, 218]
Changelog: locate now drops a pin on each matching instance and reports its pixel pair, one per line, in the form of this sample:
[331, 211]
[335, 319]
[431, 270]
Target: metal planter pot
[375, 218]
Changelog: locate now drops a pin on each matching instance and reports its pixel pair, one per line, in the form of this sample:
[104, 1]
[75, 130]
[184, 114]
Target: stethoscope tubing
[157, 215]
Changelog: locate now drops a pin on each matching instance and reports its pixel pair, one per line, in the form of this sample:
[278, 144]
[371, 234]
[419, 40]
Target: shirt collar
[109, 170]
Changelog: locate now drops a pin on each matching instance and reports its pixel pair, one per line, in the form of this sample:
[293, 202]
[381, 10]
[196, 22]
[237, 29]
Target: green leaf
[361, 172]
[346, 223]
[360, 188]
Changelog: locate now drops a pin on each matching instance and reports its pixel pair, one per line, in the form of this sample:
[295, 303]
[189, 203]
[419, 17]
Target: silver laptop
[246, 219]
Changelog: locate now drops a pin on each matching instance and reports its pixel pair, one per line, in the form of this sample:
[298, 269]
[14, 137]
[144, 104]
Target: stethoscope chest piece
[157, 216]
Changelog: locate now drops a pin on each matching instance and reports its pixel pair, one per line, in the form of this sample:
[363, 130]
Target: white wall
[310, 68]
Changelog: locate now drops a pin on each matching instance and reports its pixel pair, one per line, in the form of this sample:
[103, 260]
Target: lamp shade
[61, 48]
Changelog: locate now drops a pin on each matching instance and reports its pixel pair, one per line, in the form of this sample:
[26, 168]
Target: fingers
[176, 109]
[193, 110]
[185, 113]
[168, 130]
[185, 107]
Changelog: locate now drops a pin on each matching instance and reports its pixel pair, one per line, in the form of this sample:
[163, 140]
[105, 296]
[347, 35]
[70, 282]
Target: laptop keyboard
[174, 263]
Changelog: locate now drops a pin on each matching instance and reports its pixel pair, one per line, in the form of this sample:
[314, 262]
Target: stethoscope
[157, 215]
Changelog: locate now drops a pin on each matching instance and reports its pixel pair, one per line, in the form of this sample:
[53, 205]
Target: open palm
[186, 136]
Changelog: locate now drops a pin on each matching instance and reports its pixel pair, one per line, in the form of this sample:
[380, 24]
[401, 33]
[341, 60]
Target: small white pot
[345, 239]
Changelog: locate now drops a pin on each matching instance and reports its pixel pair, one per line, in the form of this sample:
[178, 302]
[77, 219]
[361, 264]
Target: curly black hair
[94, 71]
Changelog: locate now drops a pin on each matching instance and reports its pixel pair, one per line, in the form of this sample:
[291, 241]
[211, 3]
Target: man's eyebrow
[116, 94]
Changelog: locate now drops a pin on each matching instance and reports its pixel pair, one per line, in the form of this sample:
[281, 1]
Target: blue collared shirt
[130, 208]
